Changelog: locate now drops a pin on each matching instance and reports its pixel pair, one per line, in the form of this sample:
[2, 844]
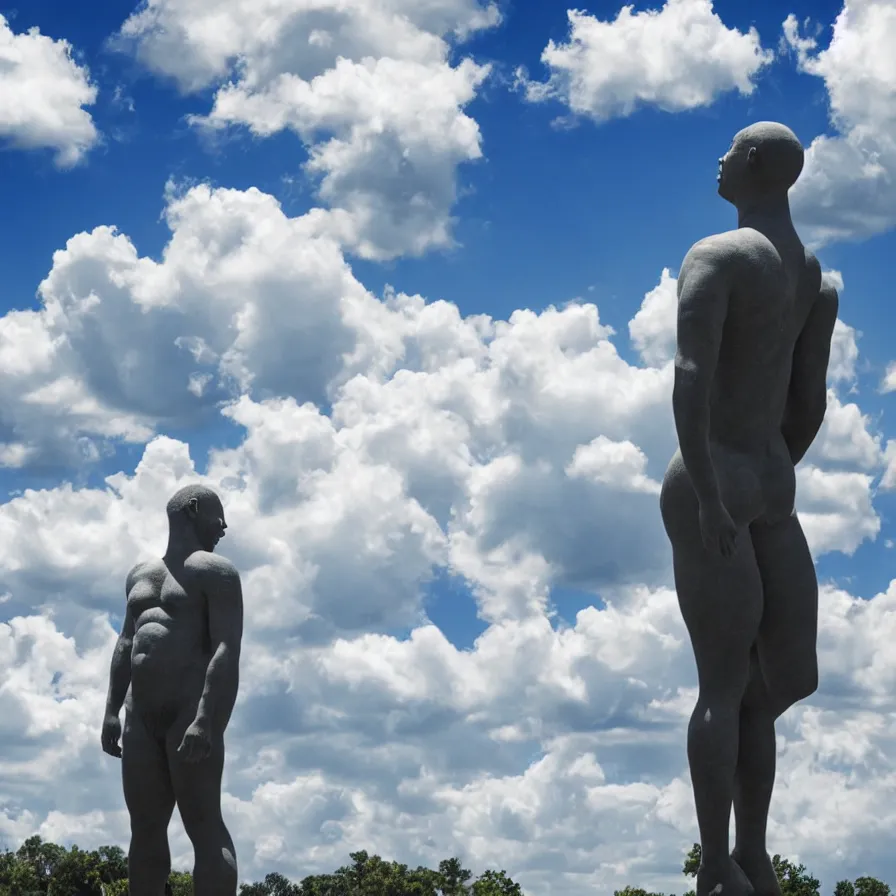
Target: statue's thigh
[721, 603]
[197, 785]
[148, 791]
[788, 633]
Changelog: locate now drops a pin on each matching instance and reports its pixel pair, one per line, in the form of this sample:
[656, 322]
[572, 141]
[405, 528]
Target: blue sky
[454, 550]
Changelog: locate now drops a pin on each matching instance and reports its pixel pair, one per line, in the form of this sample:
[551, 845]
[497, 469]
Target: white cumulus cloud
[847, 188]
[370, 89]
[44, 93]
[680, 56]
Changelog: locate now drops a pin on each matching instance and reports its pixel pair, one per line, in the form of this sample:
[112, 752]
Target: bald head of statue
[196, 516]
[764, 160]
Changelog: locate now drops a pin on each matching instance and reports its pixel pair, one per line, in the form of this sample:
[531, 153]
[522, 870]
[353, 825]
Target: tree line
[41, 868]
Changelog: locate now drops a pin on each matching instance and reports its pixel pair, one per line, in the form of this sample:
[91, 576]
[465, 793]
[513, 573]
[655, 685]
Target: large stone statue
[755, 324]
[176, 671]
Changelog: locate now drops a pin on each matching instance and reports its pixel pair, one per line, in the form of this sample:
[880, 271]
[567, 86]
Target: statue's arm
[703, 291]
[120, 671]
[225, 624]
[807, 396]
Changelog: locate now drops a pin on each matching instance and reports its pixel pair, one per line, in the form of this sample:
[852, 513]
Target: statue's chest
[161, 591]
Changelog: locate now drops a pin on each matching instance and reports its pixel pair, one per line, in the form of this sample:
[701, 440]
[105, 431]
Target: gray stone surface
[754, 332]
[176, 672]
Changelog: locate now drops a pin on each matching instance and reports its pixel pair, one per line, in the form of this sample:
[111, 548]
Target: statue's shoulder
[207, 563]
[731, 248]
[141, 570]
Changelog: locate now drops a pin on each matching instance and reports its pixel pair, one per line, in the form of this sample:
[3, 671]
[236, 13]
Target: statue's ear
[753, 157]
[192, 508]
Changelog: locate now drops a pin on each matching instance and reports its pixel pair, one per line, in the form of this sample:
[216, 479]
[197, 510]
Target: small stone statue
[176, 671]
[755, 324]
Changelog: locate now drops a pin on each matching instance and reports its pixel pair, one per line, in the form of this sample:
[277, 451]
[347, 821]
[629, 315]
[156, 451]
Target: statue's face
[736, 177]
[731, 171]
[208, 522]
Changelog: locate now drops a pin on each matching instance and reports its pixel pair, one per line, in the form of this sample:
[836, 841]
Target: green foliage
[369, 875]
[795, 880]
[453, 877]
[273, 885]
[181, 883]
[39, 868]
[634, 891]
[870, 886]
[118, 888]
[692, 861]
[114, 862]
[495, 883]
[862, 886]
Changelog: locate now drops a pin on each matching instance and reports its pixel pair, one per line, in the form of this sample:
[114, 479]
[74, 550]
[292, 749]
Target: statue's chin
[724, 194]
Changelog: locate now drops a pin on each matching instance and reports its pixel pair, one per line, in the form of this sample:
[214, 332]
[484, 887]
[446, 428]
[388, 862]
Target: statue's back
[774, 289]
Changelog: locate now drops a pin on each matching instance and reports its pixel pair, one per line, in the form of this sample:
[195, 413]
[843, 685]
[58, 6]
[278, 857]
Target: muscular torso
[775, 286]
[171, 648]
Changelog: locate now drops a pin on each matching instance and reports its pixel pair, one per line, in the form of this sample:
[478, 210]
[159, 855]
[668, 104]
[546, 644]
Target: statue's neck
[766, 213]
[180, 546]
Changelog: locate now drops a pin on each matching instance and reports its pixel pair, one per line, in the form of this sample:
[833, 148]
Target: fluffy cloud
[679, 57]
[243, 297]
[125, 344]
[506, 433]
[889, 381]
[888, 480]
[652, 329]
[44, 93]
[368, 88]
[388, 444]
[846, 190]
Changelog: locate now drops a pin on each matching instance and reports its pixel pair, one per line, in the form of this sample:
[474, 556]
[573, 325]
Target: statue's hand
[718, 530]
[111, 735]
[197, 742]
